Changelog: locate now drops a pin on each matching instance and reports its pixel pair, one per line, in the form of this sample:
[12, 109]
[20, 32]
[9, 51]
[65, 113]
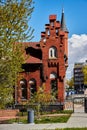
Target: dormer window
[52, 52]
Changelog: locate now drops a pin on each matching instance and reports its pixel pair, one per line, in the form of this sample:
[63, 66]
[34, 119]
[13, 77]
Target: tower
[54, 48]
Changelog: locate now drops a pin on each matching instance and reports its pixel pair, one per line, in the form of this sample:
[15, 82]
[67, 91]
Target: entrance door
[53, 83]
[54, 88]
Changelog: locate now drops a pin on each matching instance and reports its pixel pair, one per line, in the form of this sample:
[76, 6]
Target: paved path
[76, 120]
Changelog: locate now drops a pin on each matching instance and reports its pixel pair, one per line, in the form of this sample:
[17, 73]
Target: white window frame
[52, 52]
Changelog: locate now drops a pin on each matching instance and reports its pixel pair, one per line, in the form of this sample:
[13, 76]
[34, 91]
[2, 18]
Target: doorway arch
[53, 84]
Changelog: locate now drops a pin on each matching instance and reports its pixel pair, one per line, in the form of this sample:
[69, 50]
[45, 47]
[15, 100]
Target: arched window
[53, 83]
[52, 52]
[32, 83]
[57, 32]
[53, 75]
[52, 23]
[48, 33]
[23, 84]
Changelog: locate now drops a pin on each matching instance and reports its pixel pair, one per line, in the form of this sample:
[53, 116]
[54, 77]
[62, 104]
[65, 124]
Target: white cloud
[77, 46]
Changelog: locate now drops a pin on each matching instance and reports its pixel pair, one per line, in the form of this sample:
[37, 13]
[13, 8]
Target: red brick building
[47, 62]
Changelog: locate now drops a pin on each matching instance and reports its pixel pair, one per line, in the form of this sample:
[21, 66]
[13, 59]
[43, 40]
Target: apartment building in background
[79, 85]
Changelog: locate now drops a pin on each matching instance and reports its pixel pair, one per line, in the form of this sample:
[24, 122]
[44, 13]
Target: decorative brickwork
[8, 114]
[47, 63]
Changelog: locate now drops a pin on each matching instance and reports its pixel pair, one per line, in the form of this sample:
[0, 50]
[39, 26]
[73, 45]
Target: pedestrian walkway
[76, 120]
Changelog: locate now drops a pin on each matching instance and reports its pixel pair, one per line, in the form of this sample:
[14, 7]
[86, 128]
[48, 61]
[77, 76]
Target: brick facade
[47, 63]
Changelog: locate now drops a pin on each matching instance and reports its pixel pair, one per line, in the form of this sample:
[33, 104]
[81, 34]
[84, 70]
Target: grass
[59, 112]
[53, 112]
[10, 121]
[72, 129]
[44, 118]
[56, 119]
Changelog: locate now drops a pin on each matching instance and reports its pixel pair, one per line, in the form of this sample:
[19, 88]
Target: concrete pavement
[76, 120]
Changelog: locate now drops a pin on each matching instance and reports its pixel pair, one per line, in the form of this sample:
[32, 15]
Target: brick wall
[8, 113]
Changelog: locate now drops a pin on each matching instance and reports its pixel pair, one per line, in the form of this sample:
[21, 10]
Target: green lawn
[54, 119]
[45, 119]
[61, 117]
[72, 129]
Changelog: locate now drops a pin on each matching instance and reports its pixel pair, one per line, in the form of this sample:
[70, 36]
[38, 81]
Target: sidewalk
[76, 120]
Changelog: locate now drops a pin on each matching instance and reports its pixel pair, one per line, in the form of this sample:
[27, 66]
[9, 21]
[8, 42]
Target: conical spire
[63, 24]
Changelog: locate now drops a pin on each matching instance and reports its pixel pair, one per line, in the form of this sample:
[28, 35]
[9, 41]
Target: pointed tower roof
[63, 24]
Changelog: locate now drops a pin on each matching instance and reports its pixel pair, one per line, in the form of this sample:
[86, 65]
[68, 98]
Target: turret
[63, 24]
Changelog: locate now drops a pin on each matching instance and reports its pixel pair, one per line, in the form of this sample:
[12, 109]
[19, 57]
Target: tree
[70, 82]
[14, 29]
[41, 98]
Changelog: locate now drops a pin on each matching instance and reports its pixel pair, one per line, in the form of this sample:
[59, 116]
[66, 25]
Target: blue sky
[76, 21]
[75, 15]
